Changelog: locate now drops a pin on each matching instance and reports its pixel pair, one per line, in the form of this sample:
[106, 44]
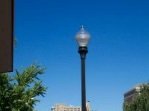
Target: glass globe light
[82, 37]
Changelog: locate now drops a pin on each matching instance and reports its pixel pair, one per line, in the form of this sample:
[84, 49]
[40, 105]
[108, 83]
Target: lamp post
[82, 38]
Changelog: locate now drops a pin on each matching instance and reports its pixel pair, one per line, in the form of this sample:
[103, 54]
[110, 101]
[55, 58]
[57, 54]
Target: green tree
[141, 102]
[20, 91]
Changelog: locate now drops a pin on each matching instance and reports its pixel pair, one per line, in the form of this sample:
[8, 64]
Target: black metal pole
[83, 51]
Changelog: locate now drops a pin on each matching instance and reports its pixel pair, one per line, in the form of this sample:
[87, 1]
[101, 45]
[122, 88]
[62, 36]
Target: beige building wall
[88, 107]
[130, 95]
[62, 107]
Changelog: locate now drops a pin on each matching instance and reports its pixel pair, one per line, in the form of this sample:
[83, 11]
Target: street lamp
[82, 38]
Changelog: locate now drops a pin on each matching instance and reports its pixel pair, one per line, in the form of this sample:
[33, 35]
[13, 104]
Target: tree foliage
[20, 92]
[141, 102]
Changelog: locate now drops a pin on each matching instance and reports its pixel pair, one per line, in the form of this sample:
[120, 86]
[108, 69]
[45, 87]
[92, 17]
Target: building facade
[62, 107]
[130, 95]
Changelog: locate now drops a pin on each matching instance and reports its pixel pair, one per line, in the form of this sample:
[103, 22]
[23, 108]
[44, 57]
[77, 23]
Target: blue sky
[118, 57]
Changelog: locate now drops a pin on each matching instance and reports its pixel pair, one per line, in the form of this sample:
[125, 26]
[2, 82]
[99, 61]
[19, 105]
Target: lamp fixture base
[83, 51]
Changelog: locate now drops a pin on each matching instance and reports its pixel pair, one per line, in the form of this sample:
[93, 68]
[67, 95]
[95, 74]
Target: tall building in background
[131, 94]
[62, 107]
